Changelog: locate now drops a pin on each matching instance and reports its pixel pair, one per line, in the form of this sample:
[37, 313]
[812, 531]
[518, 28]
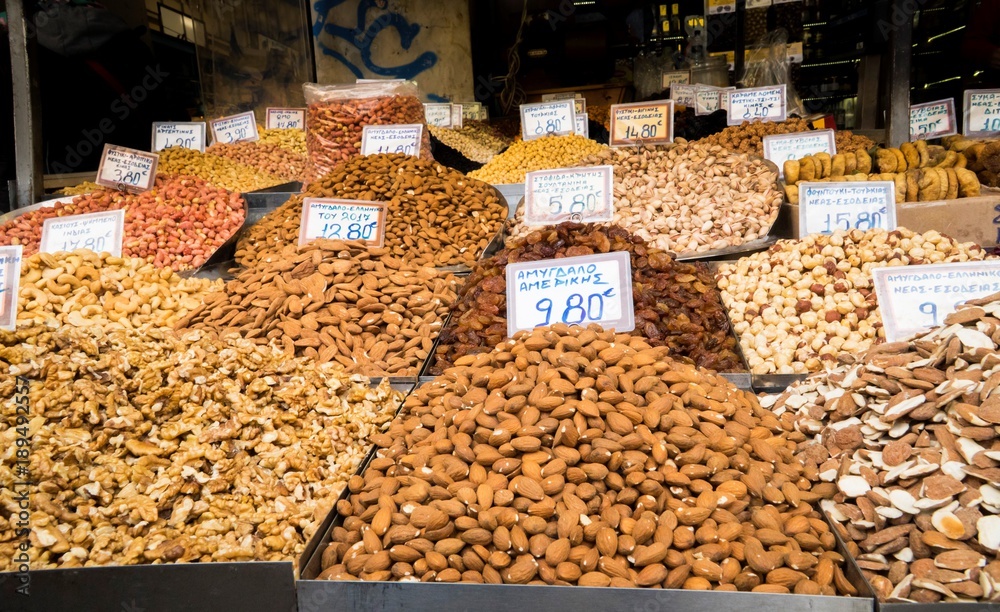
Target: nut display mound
[474, 144]
[436, 216]
[538, 154]
[215, 170]
[675, 303]
[572, 456]
[748, 137]
[335, 301]
[80, 189]
[268, 159]
[909, 436]
[291, 139]
[805, 304]
[149, 448]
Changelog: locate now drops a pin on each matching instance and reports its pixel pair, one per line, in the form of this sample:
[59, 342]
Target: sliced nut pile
[910, 437]
[436, 216]
[748, 137]
[577, 456]
[293, 140]
[336, 301]
[805, 302]
[148, 448]
[538, 154]
[675, 303]
[214, 169]
[268, 159]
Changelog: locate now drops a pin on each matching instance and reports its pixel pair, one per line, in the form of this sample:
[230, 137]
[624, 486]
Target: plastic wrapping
[337, 113]
[768, 65]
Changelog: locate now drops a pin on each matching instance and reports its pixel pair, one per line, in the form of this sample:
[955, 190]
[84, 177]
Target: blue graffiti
[362, 35]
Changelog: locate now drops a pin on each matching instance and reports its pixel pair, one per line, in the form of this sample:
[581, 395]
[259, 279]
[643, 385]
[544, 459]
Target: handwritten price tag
[10, 279]
[684, 95]
[391, 139]
[916, 298]
[827, 207]
[759, 103]
[648, 123]
[286, 118]
[933, 120]
[127, 169]
[752, 4]
[675, 77]
[779, 148]
[573, 290]
[342, 220]
[707, 99]
[982, 113]
[720, 7]
[99, 232]
[582, 126]
[472, 110]
[186, 135]
[235, 128]
[438, 115]
[557, 117]
[456, 116]
[583, 195]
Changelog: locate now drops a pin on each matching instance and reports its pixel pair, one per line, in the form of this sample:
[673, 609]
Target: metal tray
[264, 200]
[512, 192]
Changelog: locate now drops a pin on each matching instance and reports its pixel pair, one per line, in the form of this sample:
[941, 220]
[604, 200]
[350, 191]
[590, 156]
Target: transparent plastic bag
[768, 65]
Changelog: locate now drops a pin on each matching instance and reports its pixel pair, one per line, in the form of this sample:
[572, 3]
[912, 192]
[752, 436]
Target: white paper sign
[779, 148]
[916, 298]
[335, 219]
[235, 128]
[456, 116]
[127, 169]
[185, 135]
[99, 232]
[982, 113]
[752, 4]
[707, 99]
[572, 290]
[827, 207]
[438, 114]
[556, 117]
[675, 77]
[404, 139]
[759, 103]
[10, 280]
[583, 195]
[683, 95]
[933, 120]
[286, 119]
[645, 123]
[582, 126]
[472, 110]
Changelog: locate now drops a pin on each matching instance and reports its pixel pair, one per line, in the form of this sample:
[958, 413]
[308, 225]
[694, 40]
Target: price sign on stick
[675, 77]
[557, 117]
[100, 232]
[648, 123]
[779, 148]
[342, 220]
[982, 113]
[933, 120]
[10, 278]
[757, 104]
[188, 135]
[706, 99]
[684, 95]
[456, 115]
[286, 118]
[127, 169]
[438, 115]
[582, 126]
[916, 298]
[573, 290]
[583, 195]
[235, 128]
[391, 139]
[827, 207]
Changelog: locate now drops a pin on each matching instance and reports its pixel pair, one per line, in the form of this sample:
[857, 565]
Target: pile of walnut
[910, 438]
[578, 456]
[152, 448]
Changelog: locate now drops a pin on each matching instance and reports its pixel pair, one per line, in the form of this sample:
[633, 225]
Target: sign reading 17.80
[342, 220]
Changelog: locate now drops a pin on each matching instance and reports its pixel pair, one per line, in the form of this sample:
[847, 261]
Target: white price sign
[583, 195]
[286, 118]
[235, 128]
[456, 115]
[916, 298]
[707, 99]
[683, 95]
[10, 279]
[557, 117]
[779, 148]
[642, 123]
[127, 169]
[827, 207]
[982, 113]
[933, 120]
[186, 135]
[404, 139]
[472, 110]
[582, 126]
[99, 232]
[675, 77]
[335, 219]
[571, 290]
[752, 4]
[759, 103]
[438, 114]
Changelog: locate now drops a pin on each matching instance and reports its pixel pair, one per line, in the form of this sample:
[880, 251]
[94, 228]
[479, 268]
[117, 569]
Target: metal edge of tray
[289, 187]
[510, 192]
[17, 212]
[851, 569]
[428, 363]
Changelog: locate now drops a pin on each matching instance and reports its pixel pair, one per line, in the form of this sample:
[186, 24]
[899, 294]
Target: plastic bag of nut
[336, 115]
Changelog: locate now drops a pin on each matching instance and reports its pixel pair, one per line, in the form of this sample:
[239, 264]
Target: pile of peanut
[807, 303]
[578, 456]
[538, 154]
[335, 301]
[436, 216]
[268, 159]
[214, 169]
[910, 438]
[150, 448]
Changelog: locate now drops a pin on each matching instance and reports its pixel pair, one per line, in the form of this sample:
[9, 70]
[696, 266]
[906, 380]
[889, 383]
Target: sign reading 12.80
[583, 195]
[342, 220]
[571, 290]
[827, 207]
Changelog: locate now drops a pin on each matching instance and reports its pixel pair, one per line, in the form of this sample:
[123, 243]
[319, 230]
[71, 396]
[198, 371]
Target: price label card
[752, 4]
[380, 81]
[286, 118]
[795, 53]
[916, 298]
[827, 207]
[582, 126]
[573, 290]
[99, 232]
[758, 103]
[707, 100]
[404, 139]
[583, 195]
[675, 77]
[10, 279]
[982, 113]
[556, 117]
[186, 135]
[127, 169]
[642, 123]
[235, 128]
[684, 95]
[720, 7]
[438, 115]
[779, 148]
[579, 106]
[933, 120]
[456, 116]
[472, 110]
[565, 95]
[342, 220]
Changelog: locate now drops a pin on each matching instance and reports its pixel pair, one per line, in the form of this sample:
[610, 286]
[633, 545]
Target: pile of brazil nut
[214, 169]
[436, 216]
[910, 436]
[573, 456]
[538, 154]
[153, 448]
[360, 307]
[806, 303]
[676, 304]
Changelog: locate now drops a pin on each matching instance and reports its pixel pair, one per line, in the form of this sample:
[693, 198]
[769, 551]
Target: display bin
[512, 192]
[263, 201]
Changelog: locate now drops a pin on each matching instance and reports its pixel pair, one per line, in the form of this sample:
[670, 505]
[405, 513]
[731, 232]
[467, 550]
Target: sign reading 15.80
[334, 219]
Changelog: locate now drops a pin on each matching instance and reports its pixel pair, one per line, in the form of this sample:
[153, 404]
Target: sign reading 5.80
[583, 195]
[342, 220]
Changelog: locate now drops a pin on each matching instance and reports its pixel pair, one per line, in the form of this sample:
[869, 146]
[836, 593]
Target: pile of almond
[909, 436]
[584, 457]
